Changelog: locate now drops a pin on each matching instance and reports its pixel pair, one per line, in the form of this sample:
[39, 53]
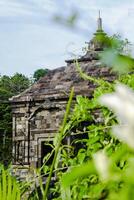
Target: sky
[32, 38]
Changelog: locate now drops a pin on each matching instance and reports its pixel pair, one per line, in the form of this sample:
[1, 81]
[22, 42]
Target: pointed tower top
[100, 38]
[99, 23]
[99, 14]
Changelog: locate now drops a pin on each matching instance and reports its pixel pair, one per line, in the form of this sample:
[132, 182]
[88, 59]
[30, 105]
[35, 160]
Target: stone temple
[38, 111]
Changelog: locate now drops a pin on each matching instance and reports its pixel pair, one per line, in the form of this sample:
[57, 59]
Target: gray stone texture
[38, 111]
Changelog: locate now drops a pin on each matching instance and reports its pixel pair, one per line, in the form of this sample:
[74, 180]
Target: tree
[19, 83]
[13, 85]
[9, 86]
[39, 73]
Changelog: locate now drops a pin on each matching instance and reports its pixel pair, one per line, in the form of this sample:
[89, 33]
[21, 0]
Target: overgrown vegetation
[96, 164]
[11, 86]
[39, 73]
[90, 162]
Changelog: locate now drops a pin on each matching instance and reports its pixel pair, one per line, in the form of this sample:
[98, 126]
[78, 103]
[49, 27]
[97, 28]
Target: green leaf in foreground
[83, 170]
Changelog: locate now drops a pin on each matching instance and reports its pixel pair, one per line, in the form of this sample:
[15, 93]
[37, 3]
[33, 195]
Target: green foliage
[13, 85]
[9, 187]
[116, 54]
[5, 133]
[9, 86]
[18, 83]
[58, 143]
[122, 46]
[89, 130]
[82, 180]
[69, 20]
[79, 173]
[119, 62]
[102, 39]
[39, 73]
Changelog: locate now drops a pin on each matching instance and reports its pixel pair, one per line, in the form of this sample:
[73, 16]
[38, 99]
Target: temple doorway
[47, 153]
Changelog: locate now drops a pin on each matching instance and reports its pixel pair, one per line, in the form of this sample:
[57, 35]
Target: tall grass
[9, 187]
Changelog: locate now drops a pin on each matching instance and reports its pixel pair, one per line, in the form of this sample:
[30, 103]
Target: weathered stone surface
[57, 83]
[50, 95]
[38, 111]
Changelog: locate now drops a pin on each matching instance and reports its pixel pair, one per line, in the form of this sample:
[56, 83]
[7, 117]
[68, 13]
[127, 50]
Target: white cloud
[13, 8]
[27, 20]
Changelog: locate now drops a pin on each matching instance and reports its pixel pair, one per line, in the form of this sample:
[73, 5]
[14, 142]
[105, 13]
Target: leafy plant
[39, 73]
[9, 187]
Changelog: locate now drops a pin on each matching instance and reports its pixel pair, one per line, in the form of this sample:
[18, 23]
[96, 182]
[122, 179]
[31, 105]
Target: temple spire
[99, 22]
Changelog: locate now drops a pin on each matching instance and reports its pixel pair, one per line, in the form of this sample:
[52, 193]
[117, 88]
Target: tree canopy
[9, 86]
[39, 73]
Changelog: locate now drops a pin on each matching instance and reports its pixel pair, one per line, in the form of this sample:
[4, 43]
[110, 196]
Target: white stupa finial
[99, 22]
[99, 14]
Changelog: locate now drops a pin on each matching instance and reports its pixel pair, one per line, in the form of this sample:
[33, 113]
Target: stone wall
[33, 123]
[38, 112]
